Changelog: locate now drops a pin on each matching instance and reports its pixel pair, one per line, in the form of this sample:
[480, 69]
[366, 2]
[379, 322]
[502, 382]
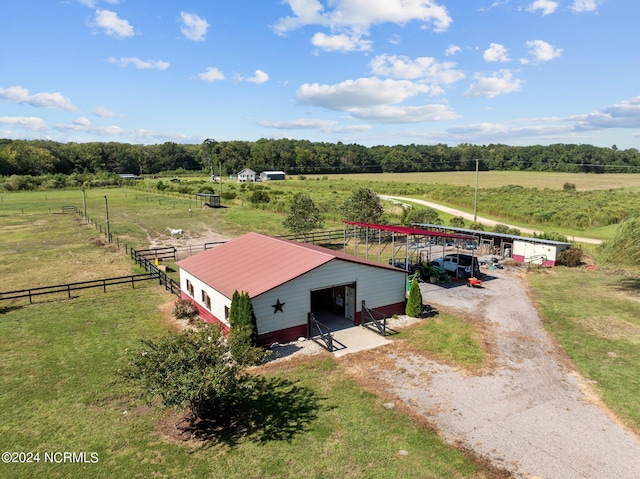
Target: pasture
[58, 358]
[497, 179]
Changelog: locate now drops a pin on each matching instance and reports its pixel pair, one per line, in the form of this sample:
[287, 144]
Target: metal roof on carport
[409, 230]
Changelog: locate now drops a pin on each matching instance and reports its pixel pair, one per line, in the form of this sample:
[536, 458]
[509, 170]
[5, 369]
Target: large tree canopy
[363, 206]
[303, 216]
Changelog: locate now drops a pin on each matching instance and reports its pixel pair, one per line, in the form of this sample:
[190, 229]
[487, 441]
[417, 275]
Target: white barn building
[286, 281]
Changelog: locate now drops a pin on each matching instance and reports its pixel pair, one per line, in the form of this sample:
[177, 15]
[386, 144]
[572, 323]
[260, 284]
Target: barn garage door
[338, 301]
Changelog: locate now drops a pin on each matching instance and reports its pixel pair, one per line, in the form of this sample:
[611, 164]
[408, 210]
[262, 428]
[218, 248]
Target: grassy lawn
[596, 317]
[57, 373]
[57, 358]
[57, 363]
[449, 339]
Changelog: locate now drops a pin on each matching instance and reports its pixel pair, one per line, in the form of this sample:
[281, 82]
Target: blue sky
[373, 72]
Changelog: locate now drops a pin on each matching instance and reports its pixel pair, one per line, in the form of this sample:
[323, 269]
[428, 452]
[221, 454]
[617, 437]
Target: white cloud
[17, 94]
[360, 93]
[496, 53]
[375, 100]
[422, 68]
[112, 25]
[193, 27]
[579, 6]
[497, 84]
[212, 74]
[82, 121]
[31, 123]
[326, 126]
[258, 77]
[624, 115]
[340, 43]
[452, 50]
[140, 64]
[543, 51]
[405, 114]
[103, 112]
[547, 6]
[355, 17]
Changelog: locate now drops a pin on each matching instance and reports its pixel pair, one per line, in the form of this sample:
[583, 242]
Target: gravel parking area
[531, 413]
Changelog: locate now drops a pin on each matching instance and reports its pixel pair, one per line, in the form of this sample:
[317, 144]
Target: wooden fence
[146, 259]
[68, 289]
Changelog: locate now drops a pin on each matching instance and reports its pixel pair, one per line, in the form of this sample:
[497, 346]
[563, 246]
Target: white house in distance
[247, 175]
[286, 281]
[272, 175]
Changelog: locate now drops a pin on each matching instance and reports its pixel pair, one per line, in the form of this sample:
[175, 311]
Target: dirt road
[479, 219]
[531, 414]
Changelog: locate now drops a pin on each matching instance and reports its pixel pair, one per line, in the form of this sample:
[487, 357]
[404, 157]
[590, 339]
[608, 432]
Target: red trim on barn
[520, 259]
[388, 310]
[283, 335]
[206, 315]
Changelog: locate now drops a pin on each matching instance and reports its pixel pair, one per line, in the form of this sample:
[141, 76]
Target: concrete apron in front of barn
[348, 338]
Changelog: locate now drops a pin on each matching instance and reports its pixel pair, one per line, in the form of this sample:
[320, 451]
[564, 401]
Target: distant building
[130, 176]
[246, 175]
[272, 175]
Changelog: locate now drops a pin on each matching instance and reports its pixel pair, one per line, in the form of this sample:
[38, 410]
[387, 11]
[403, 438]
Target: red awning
[409, 230]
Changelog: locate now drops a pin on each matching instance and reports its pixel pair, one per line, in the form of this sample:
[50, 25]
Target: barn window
[190, 288]
[226, 313]
[206, 300]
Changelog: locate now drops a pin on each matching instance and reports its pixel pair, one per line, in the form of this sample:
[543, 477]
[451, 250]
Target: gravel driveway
[530, 414]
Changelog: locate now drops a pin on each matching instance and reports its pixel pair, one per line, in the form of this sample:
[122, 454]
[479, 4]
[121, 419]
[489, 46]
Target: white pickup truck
[462, 265]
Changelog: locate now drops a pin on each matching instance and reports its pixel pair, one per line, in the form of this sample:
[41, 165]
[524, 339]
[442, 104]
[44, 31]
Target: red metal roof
[409, 230]
[256, 263]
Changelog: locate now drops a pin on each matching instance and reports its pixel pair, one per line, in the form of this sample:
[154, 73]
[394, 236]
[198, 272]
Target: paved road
[479, 219]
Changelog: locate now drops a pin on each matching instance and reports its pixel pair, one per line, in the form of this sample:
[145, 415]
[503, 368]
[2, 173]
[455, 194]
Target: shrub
[571, 256]
[414, 303]
[191, 369]
[185, 309]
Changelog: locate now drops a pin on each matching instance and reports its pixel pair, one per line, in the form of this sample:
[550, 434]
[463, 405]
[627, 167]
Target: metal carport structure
[397, 237]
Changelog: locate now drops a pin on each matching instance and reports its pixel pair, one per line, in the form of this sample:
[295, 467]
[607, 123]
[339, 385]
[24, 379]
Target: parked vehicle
[459, 264]
[426, 271]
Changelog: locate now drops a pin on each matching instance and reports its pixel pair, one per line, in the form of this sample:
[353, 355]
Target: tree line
[45, 157]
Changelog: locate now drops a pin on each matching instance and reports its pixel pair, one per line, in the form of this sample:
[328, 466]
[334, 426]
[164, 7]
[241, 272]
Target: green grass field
[58, 357]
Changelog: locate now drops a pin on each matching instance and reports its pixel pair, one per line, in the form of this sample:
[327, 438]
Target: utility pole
[106, 206]
[475, 199]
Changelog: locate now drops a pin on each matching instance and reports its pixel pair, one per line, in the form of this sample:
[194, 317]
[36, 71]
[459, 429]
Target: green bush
[571, 257]
[414, 303]
[191, 369]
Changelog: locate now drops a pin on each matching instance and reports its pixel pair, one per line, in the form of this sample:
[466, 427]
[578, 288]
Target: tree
[457, 221]
[303, 216]
[243, 331]
[421, 215]
[191, 369]
[414, 302]
[363, 206]
[500, 228]
[476, 226]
